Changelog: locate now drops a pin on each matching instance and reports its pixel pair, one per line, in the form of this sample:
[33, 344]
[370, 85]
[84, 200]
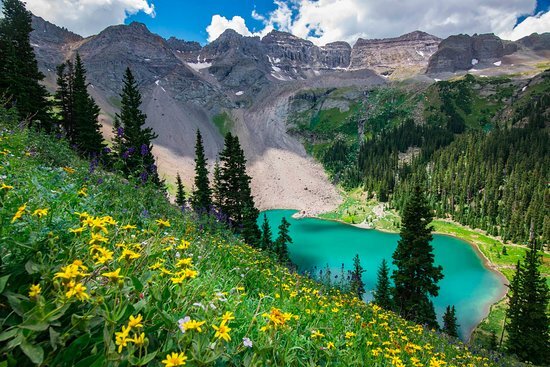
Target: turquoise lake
[468, 284]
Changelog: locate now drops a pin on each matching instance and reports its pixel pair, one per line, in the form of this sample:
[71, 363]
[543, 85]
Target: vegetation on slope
[98, 270]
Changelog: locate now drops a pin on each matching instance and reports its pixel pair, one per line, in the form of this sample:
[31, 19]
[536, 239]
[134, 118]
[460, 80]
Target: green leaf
[3, 282]
[148, 358]
[54, 338]
[31, 267]
[8, 334]
[137, 284]
[34, 325]
[34, 352]
[138, 306]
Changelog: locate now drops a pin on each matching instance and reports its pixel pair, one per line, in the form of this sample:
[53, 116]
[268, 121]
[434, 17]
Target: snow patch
[91, 85]
[239, 93]
[475, 61]
[147, 60]
[420, 53]
[523, 89]
[316, 72]
[437, 80]
[34, 45]
[498, 63]
[278, 76]
[199, 65]
[157, 82]
[276, 69]
[164, 90]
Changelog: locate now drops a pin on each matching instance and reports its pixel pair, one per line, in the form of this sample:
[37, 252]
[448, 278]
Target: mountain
[247, 85]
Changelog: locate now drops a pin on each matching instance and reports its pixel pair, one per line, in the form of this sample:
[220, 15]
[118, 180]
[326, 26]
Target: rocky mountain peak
[411, 50]
[48, 32]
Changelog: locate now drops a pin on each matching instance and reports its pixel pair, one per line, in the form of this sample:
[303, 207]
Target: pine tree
[528, 326]
[450, 326]
[416, 277]
[282, 242]
[180, 192]
[136, 141]
[233, 188]
[217, 190]
[202, 195]
[382, 294]
[86, 129]
[64, 97]
[19, 74]
[357, 286]
[266, 241]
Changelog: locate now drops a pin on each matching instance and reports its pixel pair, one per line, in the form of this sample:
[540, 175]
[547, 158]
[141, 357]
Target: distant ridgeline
[479, 145]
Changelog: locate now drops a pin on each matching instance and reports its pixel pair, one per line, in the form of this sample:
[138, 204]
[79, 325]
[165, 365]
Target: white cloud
[219, 24]
[323, 21]
[539, 23]
[87, 17]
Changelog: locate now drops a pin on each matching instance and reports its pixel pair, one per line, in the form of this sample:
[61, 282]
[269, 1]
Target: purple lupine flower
[100, 181]
[106, 150]
[131, 150]
[145, 213]
[125, 155]
[120, 131]
[144, 149]
[144, 176]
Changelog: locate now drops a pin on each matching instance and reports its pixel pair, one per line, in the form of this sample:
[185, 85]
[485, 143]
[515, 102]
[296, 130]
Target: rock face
[386, 55]
[536, 42]
[462, 52]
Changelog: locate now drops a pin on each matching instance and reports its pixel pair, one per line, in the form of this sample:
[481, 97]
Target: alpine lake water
[468, 284]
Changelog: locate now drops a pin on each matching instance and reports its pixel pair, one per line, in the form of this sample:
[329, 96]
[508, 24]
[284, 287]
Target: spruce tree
[266, 242]
[136, 147]
[19, 74]
[64, 97]
[416, 276]
[357, 286]
[202, 195]
[528, 326]
[450, 325]
[86, 130]
[235, 195]
[282, 242]
[180, 192]
[217, 190]
[382, 294]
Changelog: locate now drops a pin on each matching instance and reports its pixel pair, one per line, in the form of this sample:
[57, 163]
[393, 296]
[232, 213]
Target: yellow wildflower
[6, 187]
[139, 340]
[78, 230]
[163, 223]
[174, 360]
[128, 227]
[222, 331]
[228, 316]
[122, 338]
[83, 191]
[77, 290]
[316, 334]
[191, 325]
[20, 211]
[330, 345]
[113, 275]
[98, 238]
[129, 255]
[69, 170]
[101, 255]
[40, 213]
[35, 290]
[184, 245]
[350, 334]
[68, 272]
[185, 262]
[135, 322]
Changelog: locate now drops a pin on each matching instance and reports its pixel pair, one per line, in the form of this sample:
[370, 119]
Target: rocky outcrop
[462, 52]
[386, 55]
[185, 50]
[336, 55]
[536, 42]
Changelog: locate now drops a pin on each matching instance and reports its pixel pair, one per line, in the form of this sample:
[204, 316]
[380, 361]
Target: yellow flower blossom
[330, 345]
[20, 211]
[113, 275]
[135, 322]
[350, 334]
[6, 187]
[35, 290]
[185, 262]
[191, 325]
[98, 238]
[69, 170]
[78, 230]
[163, 223]
[77, 290]
[184, 245]
[316, 334]
[40, 213]
[174, 360]
[128, 227]
[228, 316]
[83, 191]
[121, 338]
[222, 331]
[139, 340]
[129, 255]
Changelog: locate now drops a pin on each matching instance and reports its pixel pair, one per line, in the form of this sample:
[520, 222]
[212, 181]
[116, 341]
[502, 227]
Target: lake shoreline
[487, 263]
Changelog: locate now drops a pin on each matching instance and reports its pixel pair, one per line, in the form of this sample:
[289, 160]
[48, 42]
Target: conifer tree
[19, 74]
[416, 276]
[86, 129]
[136, 139]
[528, 326]
[235, 195]
[357, 286]
[202, 195]
[382, 294]
[180, 192]
[64, 97]
[450, 326]
[282, 242]
[266, 241]
[217, 190]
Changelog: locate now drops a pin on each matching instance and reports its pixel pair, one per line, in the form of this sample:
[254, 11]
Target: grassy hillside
[96, 270]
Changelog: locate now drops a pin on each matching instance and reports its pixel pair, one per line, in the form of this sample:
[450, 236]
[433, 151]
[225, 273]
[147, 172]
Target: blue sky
[188, 19]
[320, 21]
